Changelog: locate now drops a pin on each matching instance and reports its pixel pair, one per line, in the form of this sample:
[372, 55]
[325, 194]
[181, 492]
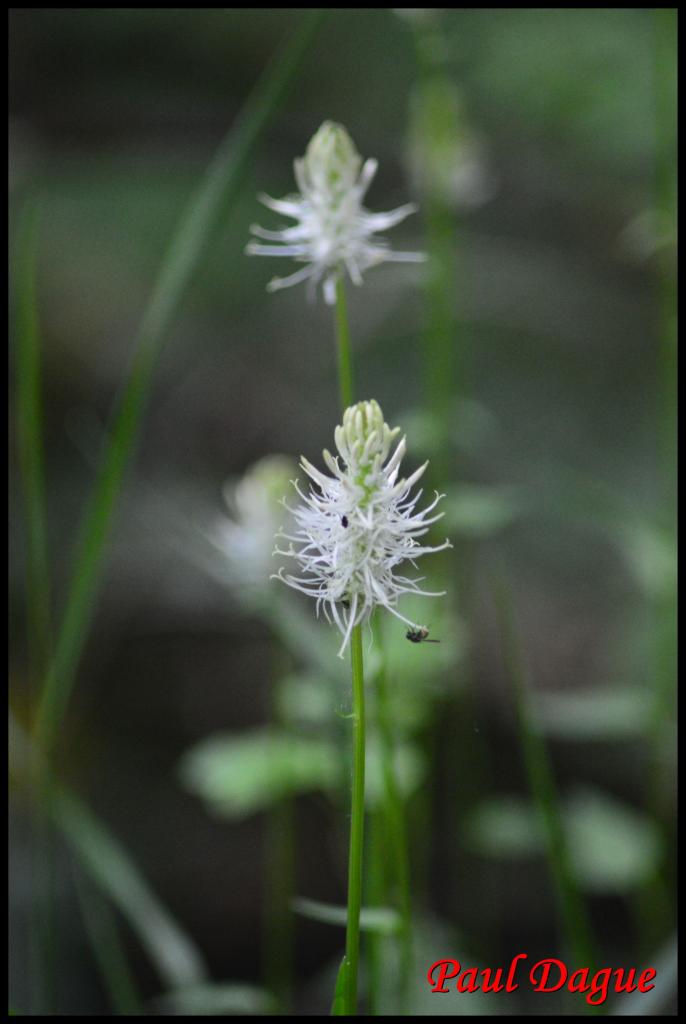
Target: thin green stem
[664, 604]
[442, 353]
[280, 850]
[30, 435]
[375, 895]
[32, 473]
[103, 934]
[396, 828]
[665, 29]
[218, 187]
[280, 870]
[355, 861]
[345, 368]
[352, 942]
[575, 922]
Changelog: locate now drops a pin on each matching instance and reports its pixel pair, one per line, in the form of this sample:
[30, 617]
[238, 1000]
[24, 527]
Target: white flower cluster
[334, 232]
[354, 532]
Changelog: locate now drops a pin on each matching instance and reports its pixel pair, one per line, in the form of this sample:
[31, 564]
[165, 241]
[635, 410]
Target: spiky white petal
[334, 232]
[355, 528]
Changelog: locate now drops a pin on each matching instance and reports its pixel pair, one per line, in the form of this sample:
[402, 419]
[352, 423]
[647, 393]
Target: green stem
[280, 870]
[441, 348]
[279, 867]
[345, 369]
[375, 889]
[32, 474]
[30, 446]
[575, 922]
[108, 950]
[394, 815]
[352, 941]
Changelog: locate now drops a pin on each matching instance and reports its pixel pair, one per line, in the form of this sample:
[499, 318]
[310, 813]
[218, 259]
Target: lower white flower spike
[356, 528]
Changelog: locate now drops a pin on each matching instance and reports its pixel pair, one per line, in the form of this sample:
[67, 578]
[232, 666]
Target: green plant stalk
[440, 348]
[343, 347]
[44, 944]
[442, 365]
[356, 852]
[30, 445]
[665, 72]
[280, 868]
[653, 906]
[108, 952]
[439, 342]
[32, 473]
[177, 961]
[352, 939]
[218, 187]
[575, 923]
[664, 611]
[396, 829]
[375, 895]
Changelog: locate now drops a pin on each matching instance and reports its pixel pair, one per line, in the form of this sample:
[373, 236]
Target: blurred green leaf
[470, 424]
[217, 1000]
[176, 958]
[577, 79]
[593, 714]
[305, 699]
[613, 848]
[651, 553]
[241, 774]
[478, 511]
[382, 920]
[505, 827]
[432, 936]
[410, 771]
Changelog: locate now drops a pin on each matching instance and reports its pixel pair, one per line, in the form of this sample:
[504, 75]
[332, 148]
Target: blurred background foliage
[202, 706]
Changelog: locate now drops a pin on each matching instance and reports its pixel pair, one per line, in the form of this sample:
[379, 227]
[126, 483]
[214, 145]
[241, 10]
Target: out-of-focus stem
[352, 943]
[396, 830]
[345, 368]
[279, 854]
[375, 895]
[575, 923]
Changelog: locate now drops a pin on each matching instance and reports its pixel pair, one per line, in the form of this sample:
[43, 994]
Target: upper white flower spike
[334, 232]
[355, 530]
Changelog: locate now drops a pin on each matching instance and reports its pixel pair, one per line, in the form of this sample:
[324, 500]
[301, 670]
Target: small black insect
[421, 635]
[344, 521]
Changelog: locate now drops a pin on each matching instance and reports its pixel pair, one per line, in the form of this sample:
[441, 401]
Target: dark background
[559, 291]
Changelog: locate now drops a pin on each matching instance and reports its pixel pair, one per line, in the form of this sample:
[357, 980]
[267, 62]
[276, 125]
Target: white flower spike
[244, 536]
[334, 232]
[353, 533]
